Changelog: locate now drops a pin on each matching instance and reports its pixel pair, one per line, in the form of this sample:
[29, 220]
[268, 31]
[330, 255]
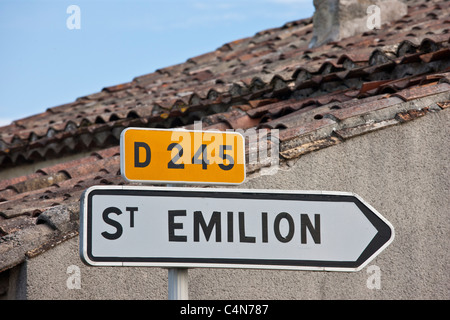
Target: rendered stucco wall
[402, 171]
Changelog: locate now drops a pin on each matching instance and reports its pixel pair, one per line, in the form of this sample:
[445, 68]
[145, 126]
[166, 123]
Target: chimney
[338, 19]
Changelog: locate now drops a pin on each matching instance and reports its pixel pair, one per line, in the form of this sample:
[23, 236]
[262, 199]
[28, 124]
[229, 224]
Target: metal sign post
[178, 281]
[178, 284]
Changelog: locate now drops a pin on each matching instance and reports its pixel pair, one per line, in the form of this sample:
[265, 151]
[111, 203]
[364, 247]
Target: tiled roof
[315, 98]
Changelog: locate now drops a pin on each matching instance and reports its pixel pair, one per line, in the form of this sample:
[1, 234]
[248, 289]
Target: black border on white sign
[383, 237]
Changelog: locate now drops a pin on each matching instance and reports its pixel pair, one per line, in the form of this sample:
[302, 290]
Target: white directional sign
[229, 228]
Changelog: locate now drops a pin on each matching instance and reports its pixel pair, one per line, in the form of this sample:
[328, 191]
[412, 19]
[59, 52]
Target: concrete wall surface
[402, 171]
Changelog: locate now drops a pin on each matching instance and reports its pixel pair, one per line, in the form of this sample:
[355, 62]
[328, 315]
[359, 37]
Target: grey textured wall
[402, 171]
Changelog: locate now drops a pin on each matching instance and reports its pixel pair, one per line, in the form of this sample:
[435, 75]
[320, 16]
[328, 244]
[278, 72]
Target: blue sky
[44, 64]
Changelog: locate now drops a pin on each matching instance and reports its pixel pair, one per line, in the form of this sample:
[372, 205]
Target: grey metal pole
[178, 284]
[178, 281]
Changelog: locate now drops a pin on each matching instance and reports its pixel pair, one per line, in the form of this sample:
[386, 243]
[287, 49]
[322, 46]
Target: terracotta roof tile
[422, 91]
[364, 108]
[8, 182]
[305, 127]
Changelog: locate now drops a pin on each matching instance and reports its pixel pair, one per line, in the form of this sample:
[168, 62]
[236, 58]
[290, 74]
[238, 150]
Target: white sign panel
[229, 228]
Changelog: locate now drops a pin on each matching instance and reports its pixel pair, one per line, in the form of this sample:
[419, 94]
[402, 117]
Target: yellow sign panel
[182, 156]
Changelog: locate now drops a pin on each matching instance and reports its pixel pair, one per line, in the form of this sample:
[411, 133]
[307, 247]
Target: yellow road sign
[182, 156]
